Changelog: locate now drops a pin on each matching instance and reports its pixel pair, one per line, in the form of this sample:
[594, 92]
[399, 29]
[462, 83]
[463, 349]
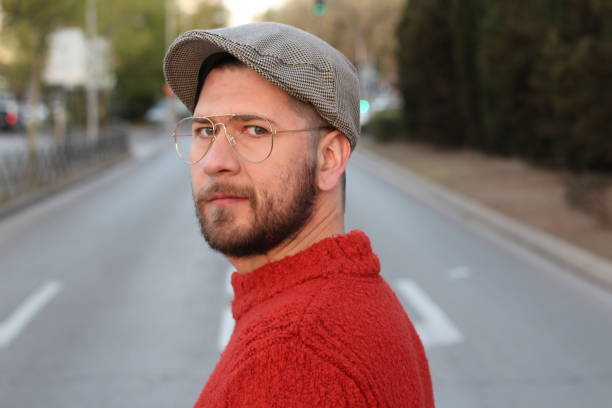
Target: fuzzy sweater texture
[320, 329]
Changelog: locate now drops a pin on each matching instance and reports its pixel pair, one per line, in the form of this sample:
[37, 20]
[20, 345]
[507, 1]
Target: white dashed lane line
[227, 320]
[435, 328]
[459, 273]
[26, 311]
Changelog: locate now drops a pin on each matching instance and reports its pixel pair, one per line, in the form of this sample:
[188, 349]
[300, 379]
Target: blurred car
[30, 112]
[167, 109]
[9, 112]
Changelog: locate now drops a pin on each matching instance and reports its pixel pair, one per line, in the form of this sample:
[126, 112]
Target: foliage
[426, 75]
[528, 79]
[136, 31]
[575, 84]
[511, 38]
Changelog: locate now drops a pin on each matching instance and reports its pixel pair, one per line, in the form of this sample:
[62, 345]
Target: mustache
[205, 194]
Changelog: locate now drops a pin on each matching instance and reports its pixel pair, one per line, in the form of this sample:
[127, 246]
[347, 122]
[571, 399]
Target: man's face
[245, 208]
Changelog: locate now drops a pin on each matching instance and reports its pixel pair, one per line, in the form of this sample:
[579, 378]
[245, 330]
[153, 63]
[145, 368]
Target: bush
[386, 125]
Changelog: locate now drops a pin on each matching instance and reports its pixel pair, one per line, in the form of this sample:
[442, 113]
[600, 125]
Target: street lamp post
[171, 13]
[91, 85]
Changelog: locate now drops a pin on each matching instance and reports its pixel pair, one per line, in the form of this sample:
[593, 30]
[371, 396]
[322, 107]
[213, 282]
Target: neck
[325, 223]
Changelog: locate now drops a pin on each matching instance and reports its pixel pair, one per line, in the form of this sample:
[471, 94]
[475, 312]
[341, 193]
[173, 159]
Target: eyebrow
[247, 116]
[252, 116]
[273, 122]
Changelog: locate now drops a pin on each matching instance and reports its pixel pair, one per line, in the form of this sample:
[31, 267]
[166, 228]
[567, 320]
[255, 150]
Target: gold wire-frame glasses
[251, 136]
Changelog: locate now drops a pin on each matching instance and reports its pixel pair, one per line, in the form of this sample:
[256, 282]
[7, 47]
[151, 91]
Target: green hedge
[386, 125]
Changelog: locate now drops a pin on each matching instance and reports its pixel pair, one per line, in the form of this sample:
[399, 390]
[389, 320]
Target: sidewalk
[478, 186]
[15, 142]
[144, 142]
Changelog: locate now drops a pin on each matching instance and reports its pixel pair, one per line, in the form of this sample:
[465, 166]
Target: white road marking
[227, 319]
[460, 272]
[226, 329]
[436, 329]
[228, 281]
[14, 324]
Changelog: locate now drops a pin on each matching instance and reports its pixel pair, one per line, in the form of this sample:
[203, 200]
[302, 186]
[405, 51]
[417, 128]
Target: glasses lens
[252, 136]
[192, 138]
[249, 135]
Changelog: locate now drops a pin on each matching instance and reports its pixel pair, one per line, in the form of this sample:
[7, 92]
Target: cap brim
[182, 66]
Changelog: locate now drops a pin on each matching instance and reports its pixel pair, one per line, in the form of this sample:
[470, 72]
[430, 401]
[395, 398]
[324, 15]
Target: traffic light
[364, 106]
[319, 7]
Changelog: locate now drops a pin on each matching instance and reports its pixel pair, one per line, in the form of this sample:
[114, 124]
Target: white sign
[67, 60]
[74, 61]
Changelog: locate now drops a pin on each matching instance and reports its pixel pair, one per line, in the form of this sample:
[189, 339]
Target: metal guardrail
[20, 174]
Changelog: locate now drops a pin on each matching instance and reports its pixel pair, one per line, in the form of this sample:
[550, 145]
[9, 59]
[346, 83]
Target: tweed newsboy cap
[298, 62]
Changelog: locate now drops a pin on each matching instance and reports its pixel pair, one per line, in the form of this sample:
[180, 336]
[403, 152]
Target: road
[110, 298]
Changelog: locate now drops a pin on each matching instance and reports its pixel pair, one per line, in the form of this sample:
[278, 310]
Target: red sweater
[320, 329]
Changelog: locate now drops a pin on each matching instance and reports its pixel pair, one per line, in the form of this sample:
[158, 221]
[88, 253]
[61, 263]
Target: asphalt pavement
[109, 297]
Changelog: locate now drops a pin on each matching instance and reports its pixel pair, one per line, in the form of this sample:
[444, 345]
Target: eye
[254, 130]
[203, 131]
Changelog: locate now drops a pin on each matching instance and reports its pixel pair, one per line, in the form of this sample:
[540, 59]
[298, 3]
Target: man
[275, 120]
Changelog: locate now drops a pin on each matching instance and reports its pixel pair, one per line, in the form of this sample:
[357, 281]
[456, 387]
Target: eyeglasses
[251, 136]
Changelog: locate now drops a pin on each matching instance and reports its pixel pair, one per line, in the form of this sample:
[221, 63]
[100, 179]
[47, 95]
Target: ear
[333, 154]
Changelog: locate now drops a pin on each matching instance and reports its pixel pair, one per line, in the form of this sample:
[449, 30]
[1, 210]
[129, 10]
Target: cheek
[267, 187]
[197, 179]
[281, 184]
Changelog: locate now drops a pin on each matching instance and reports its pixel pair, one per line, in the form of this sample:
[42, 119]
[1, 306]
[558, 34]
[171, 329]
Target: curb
[563, 253]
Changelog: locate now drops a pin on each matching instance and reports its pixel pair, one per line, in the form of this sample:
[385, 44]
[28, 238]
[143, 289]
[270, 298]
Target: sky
[243, 11]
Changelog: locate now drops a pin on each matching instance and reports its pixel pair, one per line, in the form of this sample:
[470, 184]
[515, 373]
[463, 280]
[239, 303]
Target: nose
[220, 157]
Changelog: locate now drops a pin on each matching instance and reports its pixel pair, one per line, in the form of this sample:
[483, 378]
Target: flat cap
[298, 62]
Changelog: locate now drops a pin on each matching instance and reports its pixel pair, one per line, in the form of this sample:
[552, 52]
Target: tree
[465, 18]
[546, 83]
[510, 47]
[572, 80]
[427, 74]
[136, 31]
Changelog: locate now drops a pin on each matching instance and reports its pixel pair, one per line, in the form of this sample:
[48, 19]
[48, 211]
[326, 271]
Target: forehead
[240, 89]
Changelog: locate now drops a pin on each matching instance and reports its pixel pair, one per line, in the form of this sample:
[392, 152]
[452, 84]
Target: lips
[225, 199]
[221, 196]
[225, 194]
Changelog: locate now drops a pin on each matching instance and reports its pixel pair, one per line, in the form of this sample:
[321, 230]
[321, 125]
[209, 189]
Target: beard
[277, 217]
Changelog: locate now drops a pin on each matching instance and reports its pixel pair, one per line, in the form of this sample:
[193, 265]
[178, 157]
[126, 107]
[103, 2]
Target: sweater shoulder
[359, 324]
[356, 308]
[286, 373]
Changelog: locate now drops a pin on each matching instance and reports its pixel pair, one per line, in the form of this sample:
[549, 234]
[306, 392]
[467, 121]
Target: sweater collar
[349, 254]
